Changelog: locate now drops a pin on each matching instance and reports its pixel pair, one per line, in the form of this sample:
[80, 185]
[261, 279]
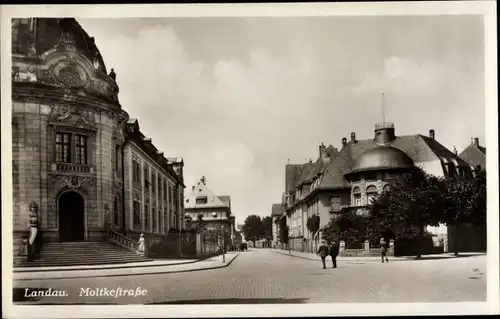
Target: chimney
[344, 141]
[431, 134]
[476, 141]
[353, 138]
[321, 149]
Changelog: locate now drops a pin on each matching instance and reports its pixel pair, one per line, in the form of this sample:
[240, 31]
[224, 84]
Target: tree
[283, 231]
[267, 227]
[252, 228]
[197, 225]
[284, 234]
[409, 206]
[313, 224]
[465, 202]
[350, 227]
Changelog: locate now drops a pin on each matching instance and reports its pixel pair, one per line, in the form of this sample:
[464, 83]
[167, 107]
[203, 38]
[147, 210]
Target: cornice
[36, 92]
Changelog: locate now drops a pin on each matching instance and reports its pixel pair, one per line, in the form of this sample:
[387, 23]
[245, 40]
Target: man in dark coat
[334, 252]
[383, 250]
[323, 252]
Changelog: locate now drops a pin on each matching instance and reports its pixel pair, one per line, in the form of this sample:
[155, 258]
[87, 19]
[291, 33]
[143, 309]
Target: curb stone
[99, 267]
[136, 274]
[347, 259]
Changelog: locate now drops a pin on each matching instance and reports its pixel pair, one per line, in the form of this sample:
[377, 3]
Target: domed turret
[381, 158]
[58, 54]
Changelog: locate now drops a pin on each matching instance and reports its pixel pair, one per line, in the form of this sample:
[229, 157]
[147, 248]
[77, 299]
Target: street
[265, 276]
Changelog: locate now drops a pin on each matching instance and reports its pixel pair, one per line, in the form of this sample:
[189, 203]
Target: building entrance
[71, 217]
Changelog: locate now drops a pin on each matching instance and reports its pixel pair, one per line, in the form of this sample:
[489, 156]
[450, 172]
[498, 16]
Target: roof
[382, 157]
[133, 134]
[277, 210]
[47, 34]
[226, 200]
[296, 174]
[293, 173]
[474, 155]
[419, 148]
[202, 191]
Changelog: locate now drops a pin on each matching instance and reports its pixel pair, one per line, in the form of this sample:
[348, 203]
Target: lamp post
[223, 243]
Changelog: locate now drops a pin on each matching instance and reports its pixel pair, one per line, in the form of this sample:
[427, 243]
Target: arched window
[357, 196]
[371, 193]
[115, 211]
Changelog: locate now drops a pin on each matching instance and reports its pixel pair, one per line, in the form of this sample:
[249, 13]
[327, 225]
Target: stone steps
[84, 253]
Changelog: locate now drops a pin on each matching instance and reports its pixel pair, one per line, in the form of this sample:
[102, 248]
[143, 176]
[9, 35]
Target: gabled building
[214, 209]
[359, 171]
[474, 154]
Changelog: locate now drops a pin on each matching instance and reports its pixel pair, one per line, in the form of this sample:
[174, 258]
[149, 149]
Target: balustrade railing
[72, 168]
[121, 240]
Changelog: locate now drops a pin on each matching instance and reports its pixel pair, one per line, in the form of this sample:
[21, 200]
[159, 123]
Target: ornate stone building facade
[68, 131]
[154, 186]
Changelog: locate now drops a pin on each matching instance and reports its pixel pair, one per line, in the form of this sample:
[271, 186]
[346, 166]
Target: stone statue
[112, 74]
[141, 246]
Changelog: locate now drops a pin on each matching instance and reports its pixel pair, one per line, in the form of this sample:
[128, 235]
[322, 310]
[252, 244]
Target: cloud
[237, 103]
[221, 117]
[403, 76]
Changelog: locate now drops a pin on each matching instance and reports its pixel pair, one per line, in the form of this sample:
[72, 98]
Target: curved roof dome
[380, 158]
[46, 33]
[58, 55]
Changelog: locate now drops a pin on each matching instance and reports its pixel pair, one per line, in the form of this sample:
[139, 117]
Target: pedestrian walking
[323, 252]
[334, 252]
[383, 250]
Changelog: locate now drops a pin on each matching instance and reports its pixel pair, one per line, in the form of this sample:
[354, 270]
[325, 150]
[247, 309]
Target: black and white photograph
[274, 159]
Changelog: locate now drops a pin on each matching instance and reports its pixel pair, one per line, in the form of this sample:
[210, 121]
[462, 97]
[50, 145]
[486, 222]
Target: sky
[239, 98]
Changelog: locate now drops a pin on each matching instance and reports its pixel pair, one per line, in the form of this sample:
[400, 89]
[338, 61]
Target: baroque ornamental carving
[73, 182]
[69, 74]
[73, 116]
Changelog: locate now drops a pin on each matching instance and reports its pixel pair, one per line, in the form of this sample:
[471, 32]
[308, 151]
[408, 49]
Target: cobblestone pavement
[264, 276]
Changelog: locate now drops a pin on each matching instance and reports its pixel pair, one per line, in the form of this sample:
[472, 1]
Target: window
[146, 216]
[117, 158]
[201, 200]
[387, 187]
[115, 211]
[165, 195]
[81, 149]
[357, 196]
[145, 174]
[175, 202]
[165, 216]
[137, 214]
[335, 203]
[371, 193]
[159, 187]
[461, 171]
[155, 219]
[158, 214]
[63, 147]
[136, 168]
[153, 182]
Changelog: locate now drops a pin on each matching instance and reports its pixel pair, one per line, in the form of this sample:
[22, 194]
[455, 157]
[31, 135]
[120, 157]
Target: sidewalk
[312, 256]
[141, 268]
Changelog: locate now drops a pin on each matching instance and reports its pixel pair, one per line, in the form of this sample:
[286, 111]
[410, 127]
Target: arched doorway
[71, 217]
